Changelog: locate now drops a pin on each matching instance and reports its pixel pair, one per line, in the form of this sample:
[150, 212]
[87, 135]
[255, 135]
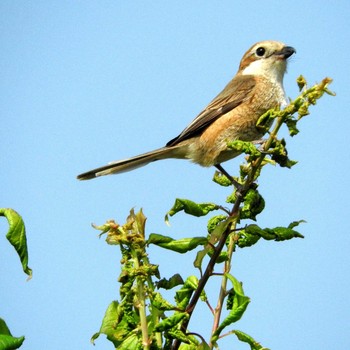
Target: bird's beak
[286, 52]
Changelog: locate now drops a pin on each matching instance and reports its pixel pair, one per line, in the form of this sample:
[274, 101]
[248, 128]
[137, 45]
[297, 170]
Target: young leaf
[254, 204]
[115, 330]
[131, 342]
[265, 121]
[252, 233]
[170, 322]
[222, 180]
[238, 306]
[301, 82]
[295, 223]
[279, 154]
[3, 328]
[8, 342]
[203, 346]
[214, 221]
[292, 127]
[190, 207]
[183, 295]
[16, 235]
[170, 283]
[180, 246]
[248, 339]
[244, 147]
[161, 304]
[215, 234]
[188, 341]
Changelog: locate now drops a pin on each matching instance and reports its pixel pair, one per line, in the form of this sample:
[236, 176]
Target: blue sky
[87, 82]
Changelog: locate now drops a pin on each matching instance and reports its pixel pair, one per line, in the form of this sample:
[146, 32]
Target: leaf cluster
[144, 318]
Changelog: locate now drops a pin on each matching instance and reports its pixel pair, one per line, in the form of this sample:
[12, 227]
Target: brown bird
[232, 115]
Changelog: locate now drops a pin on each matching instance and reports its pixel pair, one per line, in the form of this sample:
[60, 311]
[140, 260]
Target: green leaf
[283, 161]
[132, 342]
[247, 240]
[279, 154]
[238, 306]
[183, 295]
[190, 207]
[254, 204]
[113, 326]
[3, 328]
[252, 233]
[170, 283]
[8, 342]
[180, 246]
[215, 235]
[222, 180]
[214, 221]
[187, 339]
[248, 339]
[296, 223]
[201, 346]
[200, 256]
[244, 147]
[283, 233]
[140, 221]
[220, 228]
[161, 304]
[16, 235]
[301, 82]
[292, 127]
[170, 322]
[265, 121]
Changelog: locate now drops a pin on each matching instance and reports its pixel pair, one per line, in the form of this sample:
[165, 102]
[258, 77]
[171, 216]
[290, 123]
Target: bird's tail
[125, 165]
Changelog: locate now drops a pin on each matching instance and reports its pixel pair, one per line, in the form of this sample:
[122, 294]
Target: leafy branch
[144, 319]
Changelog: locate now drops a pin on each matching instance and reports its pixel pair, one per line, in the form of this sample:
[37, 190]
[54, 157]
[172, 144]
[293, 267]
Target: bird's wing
[237, 91]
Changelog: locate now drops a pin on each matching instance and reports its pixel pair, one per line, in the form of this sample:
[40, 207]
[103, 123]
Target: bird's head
[266, 58]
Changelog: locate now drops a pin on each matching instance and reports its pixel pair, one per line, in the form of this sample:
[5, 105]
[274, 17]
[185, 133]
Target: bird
[232, 115]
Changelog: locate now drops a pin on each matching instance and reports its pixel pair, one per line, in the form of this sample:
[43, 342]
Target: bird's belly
[211, 147]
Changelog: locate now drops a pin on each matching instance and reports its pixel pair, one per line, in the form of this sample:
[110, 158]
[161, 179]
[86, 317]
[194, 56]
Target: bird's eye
[260, 51]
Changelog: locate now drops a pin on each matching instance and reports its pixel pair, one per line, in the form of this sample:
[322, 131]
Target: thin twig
[208, 271]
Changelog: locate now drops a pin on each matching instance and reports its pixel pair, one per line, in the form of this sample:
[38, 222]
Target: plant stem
[141, 304]
[209, 270]
[223, 288]
[154, 310]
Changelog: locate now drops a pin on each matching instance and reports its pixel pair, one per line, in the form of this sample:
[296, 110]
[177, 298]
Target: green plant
[143, 318]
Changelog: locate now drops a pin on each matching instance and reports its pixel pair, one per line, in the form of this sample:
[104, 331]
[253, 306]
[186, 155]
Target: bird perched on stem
[231, 115]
